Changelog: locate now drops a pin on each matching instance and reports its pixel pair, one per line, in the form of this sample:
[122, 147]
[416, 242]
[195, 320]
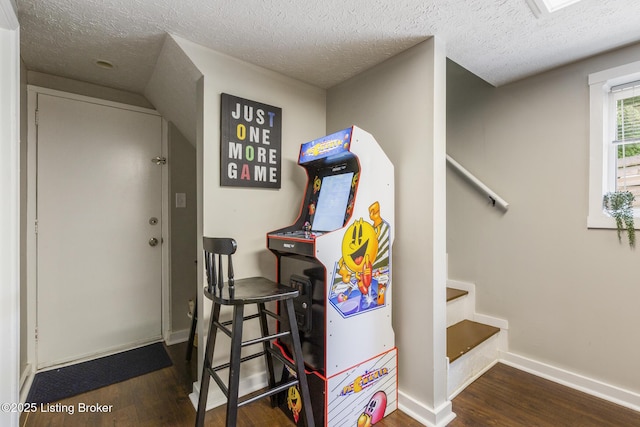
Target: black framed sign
[250, 143]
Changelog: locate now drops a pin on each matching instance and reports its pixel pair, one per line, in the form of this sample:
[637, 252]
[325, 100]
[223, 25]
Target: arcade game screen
[332, 202]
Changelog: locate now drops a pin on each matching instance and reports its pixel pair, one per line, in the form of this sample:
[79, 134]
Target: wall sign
[250, 143]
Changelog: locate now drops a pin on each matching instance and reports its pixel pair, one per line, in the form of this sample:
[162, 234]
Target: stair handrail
[493, 197]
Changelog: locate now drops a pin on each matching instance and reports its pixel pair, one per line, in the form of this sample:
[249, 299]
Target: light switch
[181, 200]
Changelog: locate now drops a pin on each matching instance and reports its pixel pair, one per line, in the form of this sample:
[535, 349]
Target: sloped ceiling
[172, 88]
[321, 43]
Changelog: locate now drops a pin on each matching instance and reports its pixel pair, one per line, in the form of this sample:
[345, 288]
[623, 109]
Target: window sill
[605, 221]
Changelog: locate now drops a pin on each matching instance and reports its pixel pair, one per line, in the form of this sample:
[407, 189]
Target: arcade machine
[338, 254]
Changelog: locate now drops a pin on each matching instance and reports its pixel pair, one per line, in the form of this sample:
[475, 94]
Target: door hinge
[37, 117]
[36, 331]
[36, 226]
[159, 160]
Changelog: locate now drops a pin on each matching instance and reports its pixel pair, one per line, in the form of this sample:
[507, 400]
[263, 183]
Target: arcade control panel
[293, 242]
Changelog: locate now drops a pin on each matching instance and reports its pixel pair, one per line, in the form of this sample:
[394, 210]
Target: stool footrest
[270, 392]
[244, 359]
[252, 316]
[283, 359]
[266, 338]
[223, 325]
[275, 316]
[213, 373]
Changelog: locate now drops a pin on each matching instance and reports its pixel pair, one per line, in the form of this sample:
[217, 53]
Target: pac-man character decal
[374, 411]
[294, 402]
[362, 275]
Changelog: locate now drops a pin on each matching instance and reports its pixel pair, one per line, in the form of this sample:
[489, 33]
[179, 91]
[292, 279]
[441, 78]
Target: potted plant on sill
[619, 204]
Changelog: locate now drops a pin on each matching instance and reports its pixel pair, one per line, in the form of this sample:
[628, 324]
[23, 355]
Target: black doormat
[57, 384]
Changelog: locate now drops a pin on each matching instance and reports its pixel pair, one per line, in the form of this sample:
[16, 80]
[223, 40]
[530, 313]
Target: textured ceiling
[319, 42]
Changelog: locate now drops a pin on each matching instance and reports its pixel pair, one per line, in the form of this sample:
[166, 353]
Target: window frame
[600, 117]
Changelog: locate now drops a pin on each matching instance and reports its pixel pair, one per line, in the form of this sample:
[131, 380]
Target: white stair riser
[468, 367]
[459, 309]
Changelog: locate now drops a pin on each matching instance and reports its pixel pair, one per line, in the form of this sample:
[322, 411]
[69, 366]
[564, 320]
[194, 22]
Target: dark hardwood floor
[502, 397]
[505, 396]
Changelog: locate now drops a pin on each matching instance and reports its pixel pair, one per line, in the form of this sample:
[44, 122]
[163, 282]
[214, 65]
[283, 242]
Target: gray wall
[401, 103]
[247, 214]
[172, 88]
[570, 293]
[182, 227]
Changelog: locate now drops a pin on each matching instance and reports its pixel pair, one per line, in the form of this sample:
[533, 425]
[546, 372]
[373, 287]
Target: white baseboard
[26, 379]
[28, 370]
[491, 321]
[176, 337]
[215, 397]
[438, 417]
[463, 286]
[596, 388]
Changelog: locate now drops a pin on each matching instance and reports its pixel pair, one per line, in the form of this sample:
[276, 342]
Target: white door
[99, 279]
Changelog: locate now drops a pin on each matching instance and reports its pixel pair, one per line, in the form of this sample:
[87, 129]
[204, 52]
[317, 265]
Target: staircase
[474, 341]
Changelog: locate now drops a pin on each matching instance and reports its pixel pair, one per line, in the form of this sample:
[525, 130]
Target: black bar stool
[239, 293]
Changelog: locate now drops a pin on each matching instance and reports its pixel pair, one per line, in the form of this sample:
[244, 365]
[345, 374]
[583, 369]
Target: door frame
[32, 168]
[10, 209]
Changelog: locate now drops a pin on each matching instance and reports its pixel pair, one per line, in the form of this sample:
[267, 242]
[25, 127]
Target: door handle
[159, 160]
[153, 241]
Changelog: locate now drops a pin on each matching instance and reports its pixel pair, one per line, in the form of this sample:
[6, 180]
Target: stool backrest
[215, 249]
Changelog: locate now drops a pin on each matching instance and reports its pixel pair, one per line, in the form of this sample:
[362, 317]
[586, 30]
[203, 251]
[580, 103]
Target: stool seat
[226, 290]
[252, 290]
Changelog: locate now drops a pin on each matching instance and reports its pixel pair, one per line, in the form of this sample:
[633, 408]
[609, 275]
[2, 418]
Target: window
[544, 7]
[614, 138]
[625, 109]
